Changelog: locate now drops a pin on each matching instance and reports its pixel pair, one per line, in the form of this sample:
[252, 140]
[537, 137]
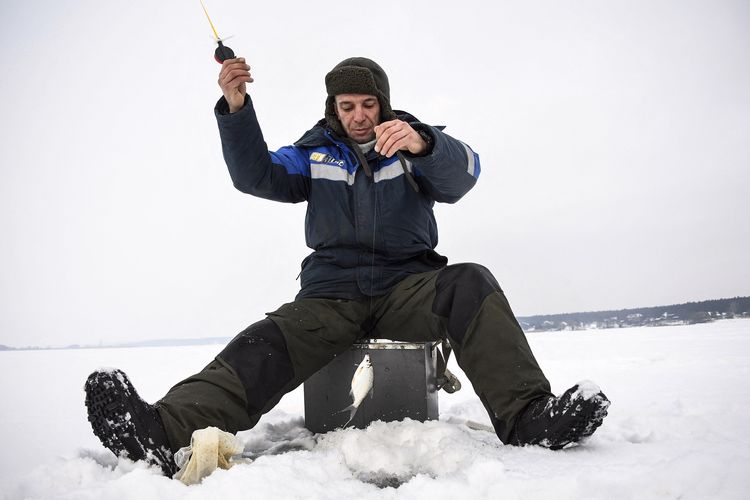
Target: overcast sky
[614, 139]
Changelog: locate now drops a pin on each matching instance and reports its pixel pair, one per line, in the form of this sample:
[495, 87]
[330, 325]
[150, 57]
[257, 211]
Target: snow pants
[270, 358]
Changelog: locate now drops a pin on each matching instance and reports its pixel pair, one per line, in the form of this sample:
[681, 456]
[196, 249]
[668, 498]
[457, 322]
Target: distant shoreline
[225, 340]
[676, 314]
[144, 343]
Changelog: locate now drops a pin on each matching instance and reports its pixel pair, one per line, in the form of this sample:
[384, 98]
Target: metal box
[404, 385]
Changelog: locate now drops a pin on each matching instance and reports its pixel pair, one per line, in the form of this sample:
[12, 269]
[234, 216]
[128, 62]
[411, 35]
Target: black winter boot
[556, 422]
[125, 423]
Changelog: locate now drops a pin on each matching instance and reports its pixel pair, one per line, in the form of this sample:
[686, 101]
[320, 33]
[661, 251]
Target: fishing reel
[222, 52]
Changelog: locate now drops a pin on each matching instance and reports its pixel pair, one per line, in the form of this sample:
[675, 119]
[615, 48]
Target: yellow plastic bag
[210, 449]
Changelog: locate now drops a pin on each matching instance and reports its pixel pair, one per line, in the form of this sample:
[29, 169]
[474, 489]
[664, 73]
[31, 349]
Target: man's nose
[359, 114]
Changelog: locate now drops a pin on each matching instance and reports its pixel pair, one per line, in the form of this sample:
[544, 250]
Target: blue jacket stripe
[292, 159]
[473, 161]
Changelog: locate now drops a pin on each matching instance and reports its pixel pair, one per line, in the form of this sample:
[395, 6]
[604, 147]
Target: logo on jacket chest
[325, 158]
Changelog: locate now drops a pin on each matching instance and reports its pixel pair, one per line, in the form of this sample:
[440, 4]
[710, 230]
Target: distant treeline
[688, 313]
[677, 314]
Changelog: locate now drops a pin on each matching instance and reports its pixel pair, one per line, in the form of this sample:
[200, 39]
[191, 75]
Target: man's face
[359, 114]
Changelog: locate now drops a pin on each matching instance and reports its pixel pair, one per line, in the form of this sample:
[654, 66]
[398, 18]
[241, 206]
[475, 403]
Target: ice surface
[677, 428]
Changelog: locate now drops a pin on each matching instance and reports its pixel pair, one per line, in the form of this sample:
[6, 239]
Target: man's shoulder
[317, 136]
[406, 116]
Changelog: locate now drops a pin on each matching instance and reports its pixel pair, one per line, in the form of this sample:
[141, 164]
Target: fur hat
[357, 75]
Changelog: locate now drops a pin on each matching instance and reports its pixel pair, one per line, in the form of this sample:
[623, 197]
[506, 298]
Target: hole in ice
[382, 479]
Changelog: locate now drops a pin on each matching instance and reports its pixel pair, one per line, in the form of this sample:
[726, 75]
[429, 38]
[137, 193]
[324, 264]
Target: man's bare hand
[397, 135]
[234, 76]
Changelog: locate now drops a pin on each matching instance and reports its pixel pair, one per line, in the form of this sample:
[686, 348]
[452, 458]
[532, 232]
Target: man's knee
[261, 360]
[468, 275]
[460, 290]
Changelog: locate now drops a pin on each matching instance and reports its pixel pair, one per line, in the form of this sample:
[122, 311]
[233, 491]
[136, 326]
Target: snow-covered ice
[678, 427]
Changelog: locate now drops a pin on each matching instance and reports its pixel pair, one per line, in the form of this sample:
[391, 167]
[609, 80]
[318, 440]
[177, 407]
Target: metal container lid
[388, 344]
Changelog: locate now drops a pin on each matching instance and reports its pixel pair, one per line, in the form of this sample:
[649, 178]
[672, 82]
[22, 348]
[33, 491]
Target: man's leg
[231, 391]
[465, 303]
[254, 371]
[490, 345]
[248, 378]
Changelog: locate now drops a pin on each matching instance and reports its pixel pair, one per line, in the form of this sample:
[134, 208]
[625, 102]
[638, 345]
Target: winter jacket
[367, 233]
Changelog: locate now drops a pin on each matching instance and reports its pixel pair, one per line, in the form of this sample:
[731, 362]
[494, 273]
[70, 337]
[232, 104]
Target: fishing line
[372, 260]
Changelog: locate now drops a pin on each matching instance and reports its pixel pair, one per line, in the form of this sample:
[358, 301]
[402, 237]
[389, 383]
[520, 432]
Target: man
[370, 176]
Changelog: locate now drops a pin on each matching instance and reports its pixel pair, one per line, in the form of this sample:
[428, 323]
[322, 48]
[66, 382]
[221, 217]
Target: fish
[362, 384]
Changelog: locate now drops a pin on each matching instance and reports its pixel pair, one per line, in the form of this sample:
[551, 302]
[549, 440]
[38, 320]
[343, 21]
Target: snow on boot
[124, 423]
[556, 422]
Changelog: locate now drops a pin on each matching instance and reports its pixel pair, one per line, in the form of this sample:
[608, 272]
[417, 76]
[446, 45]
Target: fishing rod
[222, 52]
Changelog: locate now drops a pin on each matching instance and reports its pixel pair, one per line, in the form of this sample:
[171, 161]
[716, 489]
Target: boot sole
[110, 397]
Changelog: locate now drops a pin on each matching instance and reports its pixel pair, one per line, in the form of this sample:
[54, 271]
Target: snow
[586, 389]
[677, 428]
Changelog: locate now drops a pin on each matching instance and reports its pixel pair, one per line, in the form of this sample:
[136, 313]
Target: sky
[614, 138]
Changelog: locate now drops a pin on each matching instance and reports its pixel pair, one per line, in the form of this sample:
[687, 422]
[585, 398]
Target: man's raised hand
[233, 77]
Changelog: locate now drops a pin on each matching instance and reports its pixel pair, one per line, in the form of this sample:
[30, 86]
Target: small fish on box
[362, 384]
